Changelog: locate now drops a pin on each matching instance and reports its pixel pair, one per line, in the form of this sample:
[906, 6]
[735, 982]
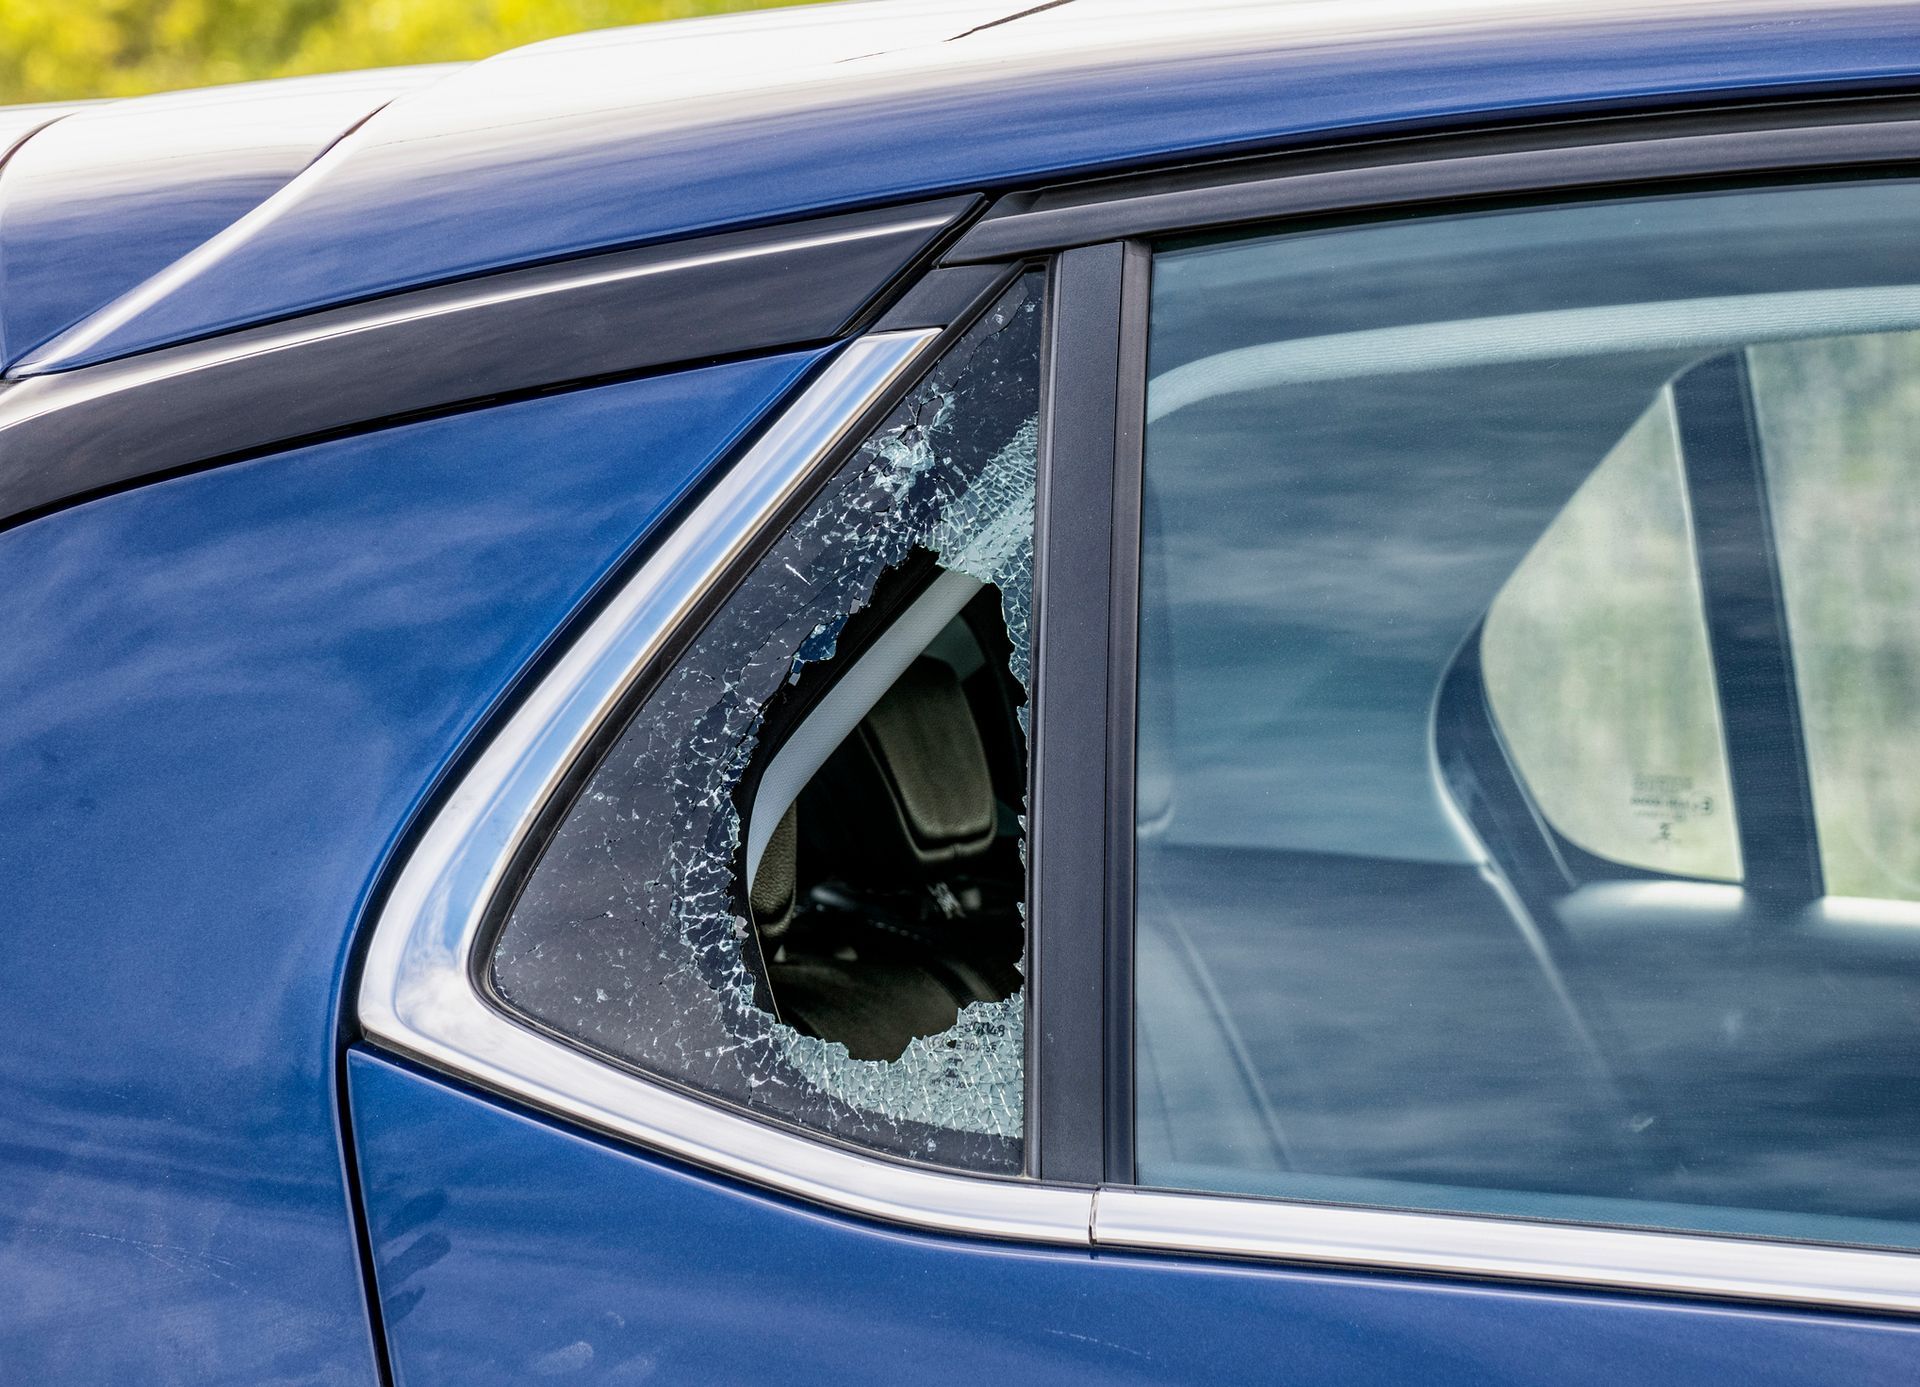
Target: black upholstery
[775, 883]
[908, 797]
[923, 744]
[887, 898]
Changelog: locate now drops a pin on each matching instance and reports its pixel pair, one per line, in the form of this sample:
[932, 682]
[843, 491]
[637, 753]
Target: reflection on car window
[861, 975]
[1476, 861]
[1840, 419]
[1599, 674]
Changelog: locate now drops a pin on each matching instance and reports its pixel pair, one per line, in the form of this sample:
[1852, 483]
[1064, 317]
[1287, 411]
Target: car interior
[886, 877]
[1550, 1032]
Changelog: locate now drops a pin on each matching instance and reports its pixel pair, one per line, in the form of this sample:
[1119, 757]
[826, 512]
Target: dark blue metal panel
[508, 1248]
[649, 134]
[221, 698]
[104, 197]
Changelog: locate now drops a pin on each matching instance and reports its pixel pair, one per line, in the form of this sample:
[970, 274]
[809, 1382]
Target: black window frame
[1080, 882]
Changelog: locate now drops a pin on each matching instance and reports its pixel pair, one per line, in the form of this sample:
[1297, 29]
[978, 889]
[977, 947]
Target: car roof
[652, 133]
[96, 197]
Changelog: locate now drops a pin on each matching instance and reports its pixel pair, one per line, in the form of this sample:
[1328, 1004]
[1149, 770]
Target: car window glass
[1840, 419]
[1599, 673]
[1475, 868]
[860, 976]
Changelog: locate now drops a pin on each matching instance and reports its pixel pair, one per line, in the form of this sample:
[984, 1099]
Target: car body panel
[509, 1248]
[643, 135]
[101, 198]
[222, 698]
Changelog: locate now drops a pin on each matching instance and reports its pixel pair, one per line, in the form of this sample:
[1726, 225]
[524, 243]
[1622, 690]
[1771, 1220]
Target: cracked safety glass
[796, 881]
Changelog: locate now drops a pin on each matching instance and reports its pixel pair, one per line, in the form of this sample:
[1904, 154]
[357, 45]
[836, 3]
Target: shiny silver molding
[418, 997]
[1507, 1249]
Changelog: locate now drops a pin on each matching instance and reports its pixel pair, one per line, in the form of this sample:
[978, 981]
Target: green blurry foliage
[53, 50]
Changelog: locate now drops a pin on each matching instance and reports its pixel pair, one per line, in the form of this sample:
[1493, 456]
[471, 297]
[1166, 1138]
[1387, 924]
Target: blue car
[945, 693]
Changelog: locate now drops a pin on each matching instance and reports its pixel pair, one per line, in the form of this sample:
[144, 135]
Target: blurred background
[57, 50]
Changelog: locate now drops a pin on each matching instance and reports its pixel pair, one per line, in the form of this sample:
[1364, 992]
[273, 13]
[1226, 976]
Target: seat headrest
[924, 743]
[771, 896]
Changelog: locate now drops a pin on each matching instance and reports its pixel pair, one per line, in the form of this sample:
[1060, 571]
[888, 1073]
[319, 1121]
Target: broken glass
[631, 934]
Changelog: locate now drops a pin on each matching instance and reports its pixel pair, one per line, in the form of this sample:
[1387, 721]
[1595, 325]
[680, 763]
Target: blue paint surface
[509, 1248]
[647, 134]
[221, 699]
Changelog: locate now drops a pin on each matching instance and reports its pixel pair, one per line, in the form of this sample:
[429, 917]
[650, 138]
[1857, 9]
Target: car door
[1253, 783]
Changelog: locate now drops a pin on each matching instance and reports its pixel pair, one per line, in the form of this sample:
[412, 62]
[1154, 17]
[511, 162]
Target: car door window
[794, 881]
[1492, 567]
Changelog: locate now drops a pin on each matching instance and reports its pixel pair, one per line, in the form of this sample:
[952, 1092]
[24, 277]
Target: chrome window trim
[418, 993]
[1588, 1255]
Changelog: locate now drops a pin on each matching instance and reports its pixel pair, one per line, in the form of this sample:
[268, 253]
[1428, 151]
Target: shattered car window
[633, 934]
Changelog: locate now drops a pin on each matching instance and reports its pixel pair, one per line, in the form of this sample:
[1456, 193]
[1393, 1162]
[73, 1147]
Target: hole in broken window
[883, 821]
[795, 881]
